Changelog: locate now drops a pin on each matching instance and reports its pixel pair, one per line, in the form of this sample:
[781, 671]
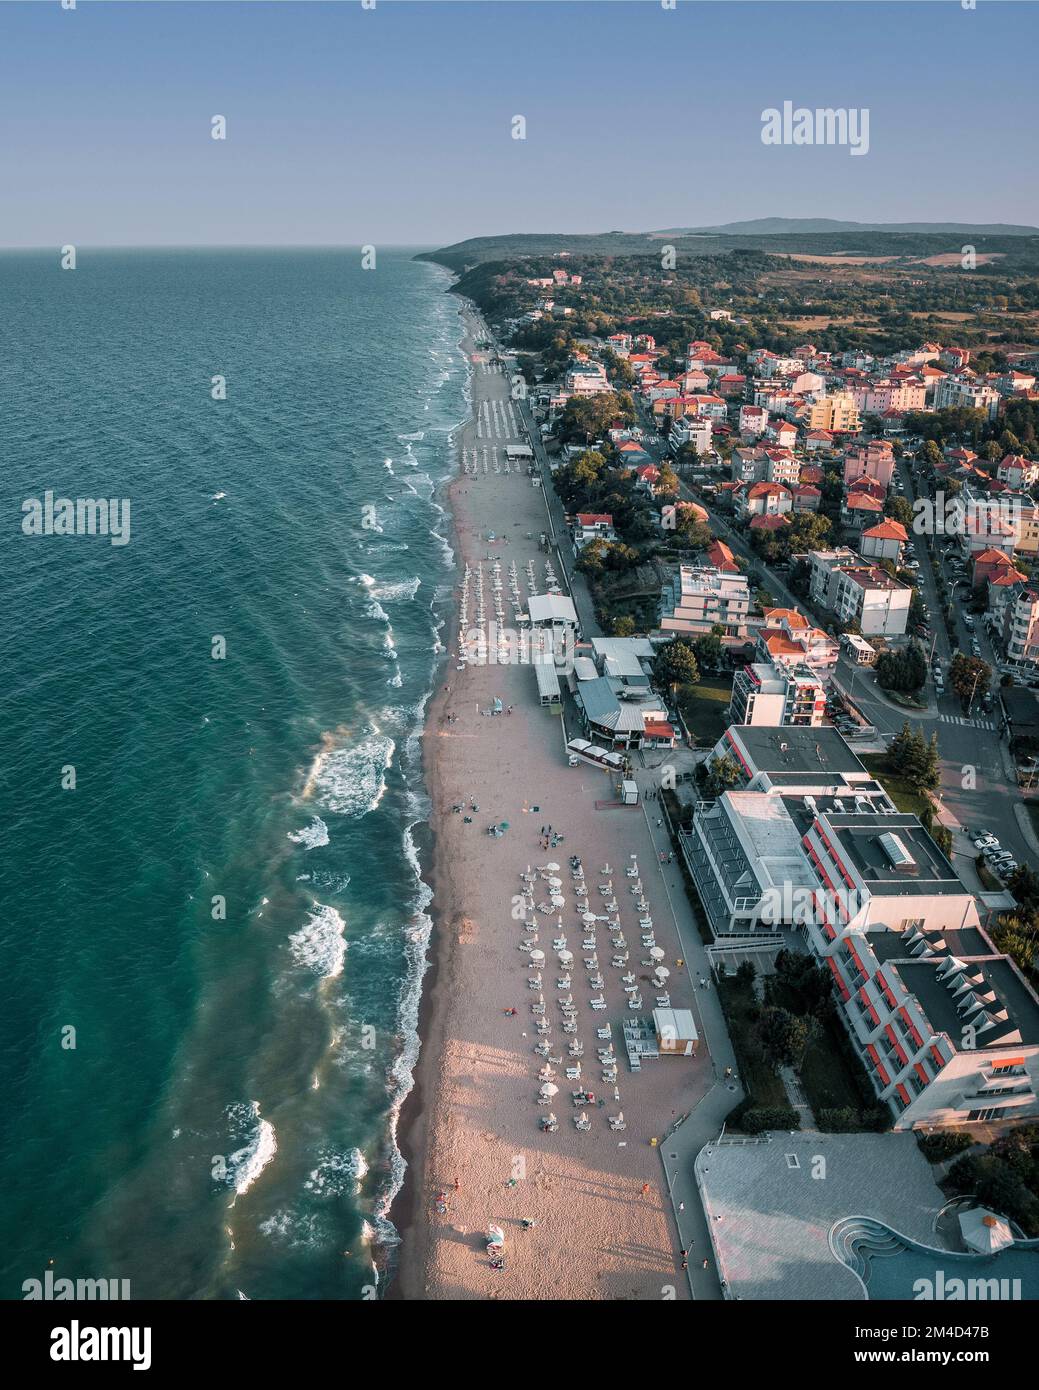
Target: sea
[213, 923]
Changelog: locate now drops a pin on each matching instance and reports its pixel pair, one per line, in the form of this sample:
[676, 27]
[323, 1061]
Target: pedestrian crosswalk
[969, 723]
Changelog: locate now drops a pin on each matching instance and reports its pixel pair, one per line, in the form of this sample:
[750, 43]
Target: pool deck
[770, 1221]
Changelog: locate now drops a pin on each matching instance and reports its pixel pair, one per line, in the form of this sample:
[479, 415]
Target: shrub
[938, 1148]
[757, 1121]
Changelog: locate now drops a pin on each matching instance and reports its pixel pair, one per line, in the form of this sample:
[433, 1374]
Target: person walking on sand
[645, 1189]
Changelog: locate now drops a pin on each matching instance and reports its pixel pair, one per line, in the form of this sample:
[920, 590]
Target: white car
[987, 842]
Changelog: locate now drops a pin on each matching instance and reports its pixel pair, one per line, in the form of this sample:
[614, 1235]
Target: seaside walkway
[679, 1147]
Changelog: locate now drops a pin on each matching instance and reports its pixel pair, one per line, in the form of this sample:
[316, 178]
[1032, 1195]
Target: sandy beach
[470, 1128]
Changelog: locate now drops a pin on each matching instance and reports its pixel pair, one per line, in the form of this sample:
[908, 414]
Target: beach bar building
[676, 1032]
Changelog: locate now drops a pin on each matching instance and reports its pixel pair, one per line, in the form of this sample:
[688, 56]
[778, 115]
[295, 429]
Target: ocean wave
[392, 590]
[337, 1174]
[246, 1164]
[319, 943]
[350, 781]
[419, 434]
[312, 836]
[295, 1229]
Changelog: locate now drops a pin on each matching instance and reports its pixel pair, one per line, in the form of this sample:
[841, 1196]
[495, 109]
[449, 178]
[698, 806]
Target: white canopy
[984, 1231]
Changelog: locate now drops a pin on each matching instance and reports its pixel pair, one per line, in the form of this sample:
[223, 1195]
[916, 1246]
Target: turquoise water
[222, 1125]
[897, 1276]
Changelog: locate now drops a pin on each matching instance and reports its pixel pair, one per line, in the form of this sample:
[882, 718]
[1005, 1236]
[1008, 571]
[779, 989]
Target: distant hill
[816, 226]
[1018, 247]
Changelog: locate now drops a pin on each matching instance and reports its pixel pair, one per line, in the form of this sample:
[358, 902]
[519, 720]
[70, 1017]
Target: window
[792, 1161]
[988, 1114]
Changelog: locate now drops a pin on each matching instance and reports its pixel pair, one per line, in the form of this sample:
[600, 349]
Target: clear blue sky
[393, 125]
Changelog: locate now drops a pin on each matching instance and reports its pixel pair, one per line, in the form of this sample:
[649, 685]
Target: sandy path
[474, 1117]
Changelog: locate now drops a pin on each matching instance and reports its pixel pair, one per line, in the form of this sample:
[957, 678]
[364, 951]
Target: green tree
[709, 651]
[676, 664]
[901, 510]
[969, 676]
[783, 1036]
[722, 774]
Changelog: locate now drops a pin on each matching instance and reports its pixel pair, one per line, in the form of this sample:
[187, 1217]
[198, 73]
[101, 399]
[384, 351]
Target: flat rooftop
[770, 1219]
[796, 749]
[1000, 990]
[888, 944]
[927, 873]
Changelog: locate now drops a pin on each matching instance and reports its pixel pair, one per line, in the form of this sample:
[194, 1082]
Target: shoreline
[413, 1119]
[469, 1126]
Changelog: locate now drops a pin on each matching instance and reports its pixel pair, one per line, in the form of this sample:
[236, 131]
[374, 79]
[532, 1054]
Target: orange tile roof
[888, 530]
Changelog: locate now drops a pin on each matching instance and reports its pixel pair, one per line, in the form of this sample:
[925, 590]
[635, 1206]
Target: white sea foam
[337, 1174]
[295, 1229]
[419, 434]
[396, 680]
[393, 591]
[312, 835]
[246, 1164]
[219, 496]
[319, 944]
[350, 781]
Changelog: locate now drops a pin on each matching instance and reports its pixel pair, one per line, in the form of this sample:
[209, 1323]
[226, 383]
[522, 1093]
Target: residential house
[763, 499]
[789, 640]
[875, 460]
[806, 497]
[884, 541]
[592, 526]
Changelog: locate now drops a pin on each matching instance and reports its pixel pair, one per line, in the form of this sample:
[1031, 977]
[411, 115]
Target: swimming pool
[893, 1267]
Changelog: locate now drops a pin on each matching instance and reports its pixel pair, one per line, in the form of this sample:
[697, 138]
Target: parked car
[986, 842]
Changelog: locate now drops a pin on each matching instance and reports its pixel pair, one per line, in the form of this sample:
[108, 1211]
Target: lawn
[764, 1088]
[705, 708]
[905, 797]
[826, 1076]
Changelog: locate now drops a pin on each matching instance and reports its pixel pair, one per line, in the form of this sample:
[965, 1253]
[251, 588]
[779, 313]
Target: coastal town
[740, 733]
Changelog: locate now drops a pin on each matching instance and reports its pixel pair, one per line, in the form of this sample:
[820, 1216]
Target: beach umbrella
[549, 1089]
[588, 917]
[555, 883]
[552, 868]
[656, 953]
[537, 955]
[557, 900]
[662, 972]
[566, 956]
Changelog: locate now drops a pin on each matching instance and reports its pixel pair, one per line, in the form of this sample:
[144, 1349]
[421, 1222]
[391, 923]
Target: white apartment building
[690, 429]
[763, 693]
[855, 591]
[954, 391]
[700, 596]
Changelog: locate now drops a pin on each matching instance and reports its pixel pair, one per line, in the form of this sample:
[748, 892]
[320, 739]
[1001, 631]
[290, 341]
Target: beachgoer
[685, 1264]
[645, 1188]
[458, 1185]
[705, 1264]
[681, 1206]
